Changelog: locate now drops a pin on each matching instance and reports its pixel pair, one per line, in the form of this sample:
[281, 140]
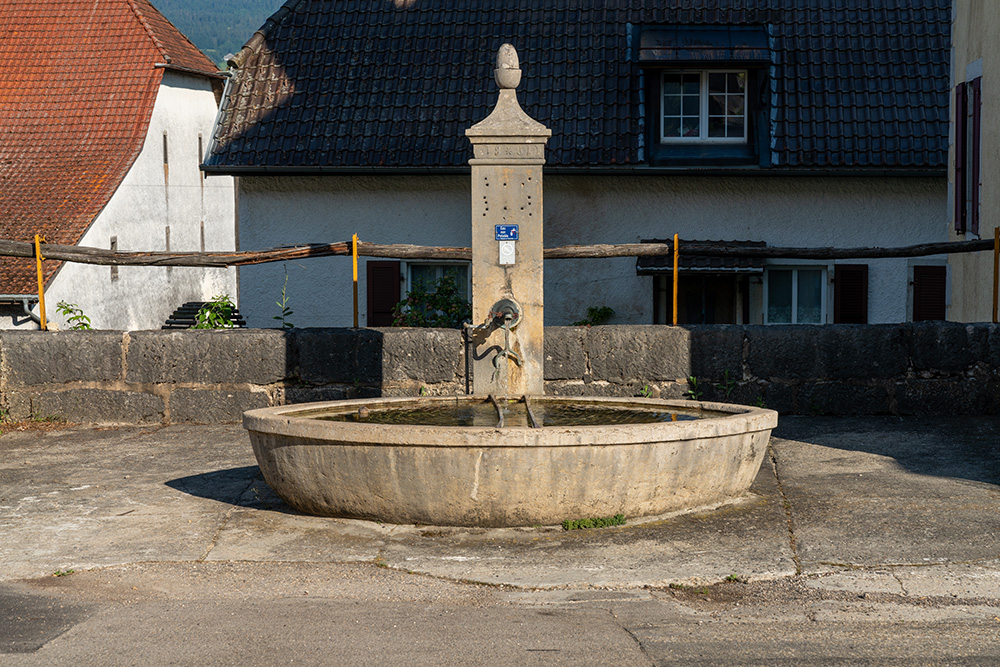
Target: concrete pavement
[866, 540]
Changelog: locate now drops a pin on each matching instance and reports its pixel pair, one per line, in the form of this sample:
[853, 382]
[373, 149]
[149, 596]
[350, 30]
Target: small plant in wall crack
[74, 316]
[35, 421]
[216, 314]
[692, 391]
[596, 315]
[283, 305]
[727, 385]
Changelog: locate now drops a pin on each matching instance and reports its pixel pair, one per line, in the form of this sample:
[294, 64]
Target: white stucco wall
[435, 210]
[144, 206]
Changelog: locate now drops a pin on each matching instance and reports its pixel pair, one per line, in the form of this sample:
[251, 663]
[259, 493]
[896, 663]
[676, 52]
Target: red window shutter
[850, 294]
[383, 292]
[973, 153]
[961, 109]
[929, 285]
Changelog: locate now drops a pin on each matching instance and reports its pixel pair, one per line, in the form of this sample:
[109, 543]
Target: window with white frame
[703, 106]
[794, 295]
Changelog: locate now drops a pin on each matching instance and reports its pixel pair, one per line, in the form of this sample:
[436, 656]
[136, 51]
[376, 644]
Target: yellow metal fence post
[354, 258]
[677, 254]
[41, 283]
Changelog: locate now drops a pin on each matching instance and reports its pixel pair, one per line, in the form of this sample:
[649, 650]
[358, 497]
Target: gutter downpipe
[25, 302]
[26, 305]
[223, 107]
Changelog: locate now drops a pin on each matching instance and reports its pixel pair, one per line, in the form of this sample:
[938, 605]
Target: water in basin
[483, 413]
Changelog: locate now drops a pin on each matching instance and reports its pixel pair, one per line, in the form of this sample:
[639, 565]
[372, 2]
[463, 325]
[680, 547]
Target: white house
[787, 124]
[106, 110]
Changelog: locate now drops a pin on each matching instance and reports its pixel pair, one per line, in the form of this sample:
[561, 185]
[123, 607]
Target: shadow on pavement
[948, 446]
[29, 620]
[243, 487]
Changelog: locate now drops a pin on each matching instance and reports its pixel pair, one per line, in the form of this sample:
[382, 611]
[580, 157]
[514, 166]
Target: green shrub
[444, 305]
[74, 315]
[216, 314]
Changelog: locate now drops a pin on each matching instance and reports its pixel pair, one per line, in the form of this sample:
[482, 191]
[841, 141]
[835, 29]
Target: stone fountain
[487, 460]
[507, 300]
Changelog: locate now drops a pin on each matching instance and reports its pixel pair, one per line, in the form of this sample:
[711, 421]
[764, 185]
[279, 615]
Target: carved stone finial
[508, 72]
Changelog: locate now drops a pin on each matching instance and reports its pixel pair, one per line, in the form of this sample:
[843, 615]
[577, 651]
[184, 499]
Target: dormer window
[707, 105]
[706, 94]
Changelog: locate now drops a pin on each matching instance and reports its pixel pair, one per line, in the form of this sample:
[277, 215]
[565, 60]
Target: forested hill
[218, 27]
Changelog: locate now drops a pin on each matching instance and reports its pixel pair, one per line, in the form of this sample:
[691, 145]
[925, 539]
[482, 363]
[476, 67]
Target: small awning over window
[705, 44]
[647, 266]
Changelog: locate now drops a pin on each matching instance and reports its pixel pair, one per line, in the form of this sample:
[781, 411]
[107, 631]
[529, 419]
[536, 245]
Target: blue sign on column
[506, 232]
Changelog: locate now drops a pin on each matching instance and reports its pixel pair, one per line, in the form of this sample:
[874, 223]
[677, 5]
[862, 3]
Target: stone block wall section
[910, 369]
[213, 376]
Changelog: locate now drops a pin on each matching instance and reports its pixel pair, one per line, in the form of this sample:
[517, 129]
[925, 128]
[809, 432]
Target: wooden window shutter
[929, 286]
[961, 109]
[383, 292]
[976, 102]
[850, 294]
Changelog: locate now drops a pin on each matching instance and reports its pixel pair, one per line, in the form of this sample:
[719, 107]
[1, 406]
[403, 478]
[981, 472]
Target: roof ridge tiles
[261, 35]
[178, 52]
[149, 30]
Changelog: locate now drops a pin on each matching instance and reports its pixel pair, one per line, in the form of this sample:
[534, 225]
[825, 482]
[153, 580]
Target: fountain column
[507, 305]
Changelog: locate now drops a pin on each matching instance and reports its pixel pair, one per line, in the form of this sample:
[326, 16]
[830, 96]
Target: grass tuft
[596, 522]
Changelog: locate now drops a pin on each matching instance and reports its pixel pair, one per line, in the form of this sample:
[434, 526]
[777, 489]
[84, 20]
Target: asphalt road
[867, 541]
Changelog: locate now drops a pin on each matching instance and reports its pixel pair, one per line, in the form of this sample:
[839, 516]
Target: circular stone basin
[355, 459]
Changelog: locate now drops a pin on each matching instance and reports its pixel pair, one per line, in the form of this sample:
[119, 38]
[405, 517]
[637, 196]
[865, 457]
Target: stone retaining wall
[212, 376]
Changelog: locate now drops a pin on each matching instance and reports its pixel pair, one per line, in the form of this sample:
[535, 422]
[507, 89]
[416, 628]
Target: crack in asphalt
[902, 586]
[787, 505]
[225, 519]
[635, 638]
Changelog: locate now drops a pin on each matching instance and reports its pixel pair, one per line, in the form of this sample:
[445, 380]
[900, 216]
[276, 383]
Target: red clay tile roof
[179, 52]
[78, 80]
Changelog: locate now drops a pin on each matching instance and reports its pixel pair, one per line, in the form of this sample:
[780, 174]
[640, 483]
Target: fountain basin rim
[297, 421]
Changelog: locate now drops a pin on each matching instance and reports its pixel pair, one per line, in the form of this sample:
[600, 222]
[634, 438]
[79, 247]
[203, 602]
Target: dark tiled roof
[363, 83]
[77, 86]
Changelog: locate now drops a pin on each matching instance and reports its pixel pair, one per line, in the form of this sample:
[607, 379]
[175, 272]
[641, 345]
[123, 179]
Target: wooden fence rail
[87, 255]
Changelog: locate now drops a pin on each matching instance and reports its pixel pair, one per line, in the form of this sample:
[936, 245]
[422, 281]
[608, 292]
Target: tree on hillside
[218, 27]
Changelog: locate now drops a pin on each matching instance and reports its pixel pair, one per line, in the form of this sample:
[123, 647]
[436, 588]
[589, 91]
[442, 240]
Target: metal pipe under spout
[531, 413]
[496, 405]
